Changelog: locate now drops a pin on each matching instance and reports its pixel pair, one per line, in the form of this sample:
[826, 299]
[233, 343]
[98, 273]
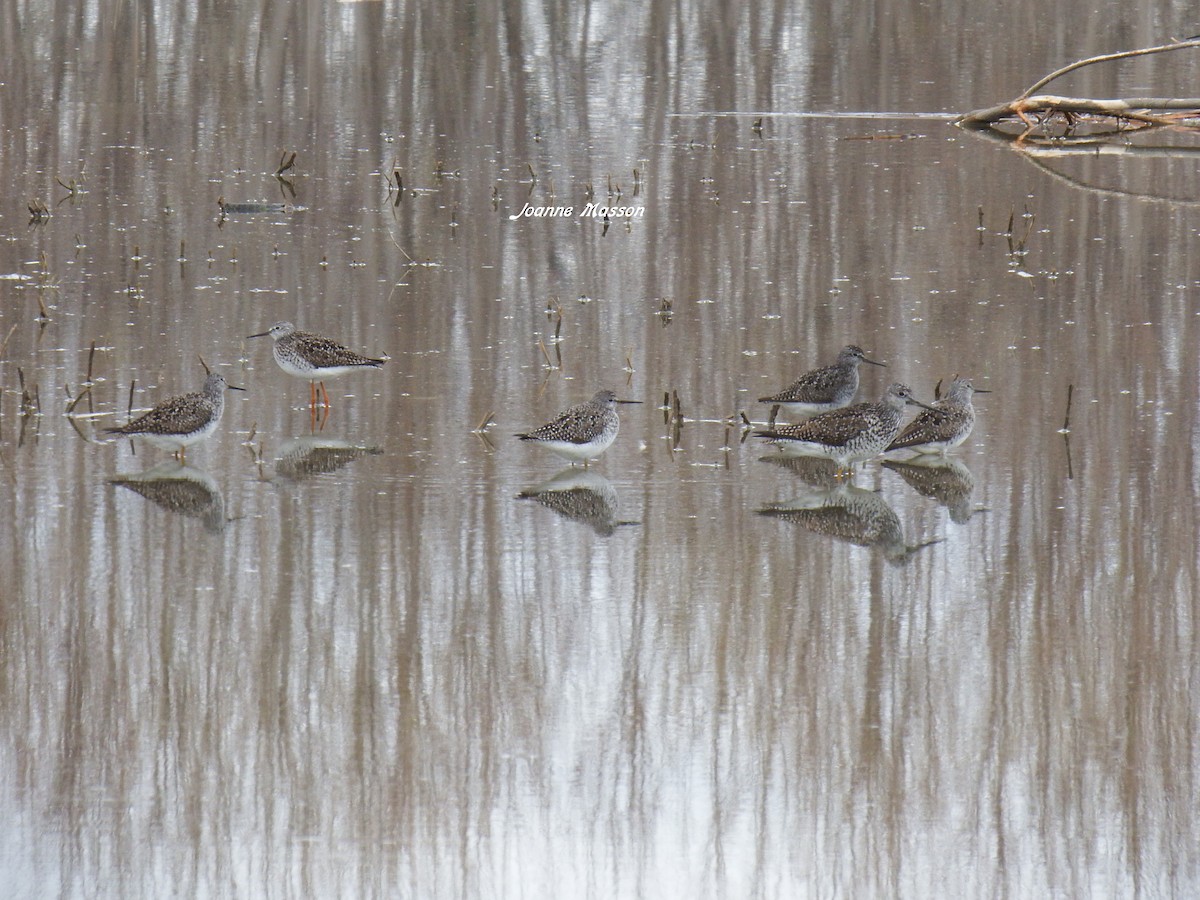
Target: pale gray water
[358, 664]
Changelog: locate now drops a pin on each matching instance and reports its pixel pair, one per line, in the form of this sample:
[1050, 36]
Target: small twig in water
[71, 406]
[4, 343]
[286, 162]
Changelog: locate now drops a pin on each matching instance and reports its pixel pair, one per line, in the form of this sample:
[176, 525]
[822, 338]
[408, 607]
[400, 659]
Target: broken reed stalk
[91, 358]
[29, 402]
[286, 162]
[545, 353]
[129, 408]
[1067, 420]
[71, 406]
[4, 343]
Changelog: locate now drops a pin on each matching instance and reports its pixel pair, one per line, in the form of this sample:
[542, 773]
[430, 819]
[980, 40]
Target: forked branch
[1136, 112]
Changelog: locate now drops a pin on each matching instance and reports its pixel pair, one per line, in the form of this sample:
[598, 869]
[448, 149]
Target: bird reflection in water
[813, 470]
[311, 455]
[582, 495]
[849, 514]
[947, 481]
[180, 489]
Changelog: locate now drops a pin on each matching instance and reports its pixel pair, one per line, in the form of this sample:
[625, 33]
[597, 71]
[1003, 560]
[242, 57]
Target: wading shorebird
[850, 434]
[307, 355]
[945, 425]
[824, 389]
[582, 432]
[181, 421]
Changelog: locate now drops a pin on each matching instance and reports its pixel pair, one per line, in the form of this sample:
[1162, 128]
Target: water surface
[360, 663]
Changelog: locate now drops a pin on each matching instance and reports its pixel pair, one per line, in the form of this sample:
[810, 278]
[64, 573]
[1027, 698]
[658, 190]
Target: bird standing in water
[177, 423]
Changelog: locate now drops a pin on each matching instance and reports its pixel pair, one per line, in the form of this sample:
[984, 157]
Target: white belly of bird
[938, 447]
[175, 441]
[312, 372]
[573, 451]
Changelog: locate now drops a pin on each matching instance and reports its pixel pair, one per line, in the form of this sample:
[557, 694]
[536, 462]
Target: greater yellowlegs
[850, 434]
[830, 387]
[182, 421]
[943, 426]
[307, 355]
[582, 432]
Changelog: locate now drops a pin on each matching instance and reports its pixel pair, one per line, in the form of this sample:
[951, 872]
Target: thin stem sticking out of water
[484, 424]
[86, 392]
[676, 420]
[4, 343]
[286, 162]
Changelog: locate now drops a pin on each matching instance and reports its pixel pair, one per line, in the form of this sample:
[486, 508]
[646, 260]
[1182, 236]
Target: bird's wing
[323, 352]
[178, 415]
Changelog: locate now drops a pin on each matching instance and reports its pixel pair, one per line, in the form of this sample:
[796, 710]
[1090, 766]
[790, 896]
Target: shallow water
[360, 663]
